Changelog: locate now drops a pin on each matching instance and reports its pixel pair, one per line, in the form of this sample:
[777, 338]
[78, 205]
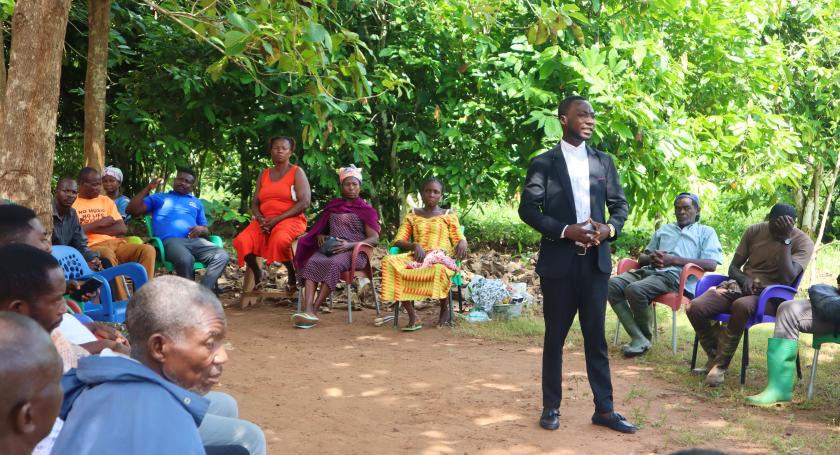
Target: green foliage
[497, 225]
[735, 101]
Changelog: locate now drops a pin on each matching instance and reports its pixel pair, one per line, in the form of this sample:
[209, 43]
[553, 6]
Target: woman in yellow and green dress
[432, 236]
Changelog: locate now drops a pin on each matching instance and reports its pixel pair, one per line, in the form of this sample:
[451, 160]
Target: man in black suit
[564, 198]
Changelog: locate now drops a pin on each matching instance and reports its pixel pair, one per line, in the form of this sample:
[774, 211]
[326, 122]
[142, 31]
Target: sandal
[304, 319]
[413, 328]
[304, 326]
[378, 322]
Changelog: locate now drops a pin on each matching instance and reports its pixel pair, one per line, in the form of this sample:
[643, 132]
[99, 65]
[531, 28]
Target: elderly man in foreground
[153, 401]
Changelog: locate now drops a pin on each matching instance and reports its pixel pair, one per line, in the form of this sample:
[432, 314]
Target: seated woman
[349, 220]
[112, 178]
[280, 197]
[432, 235]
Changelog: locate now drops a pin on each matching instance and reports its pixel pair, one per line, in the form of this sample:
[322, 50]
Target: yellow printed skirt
[401, 284]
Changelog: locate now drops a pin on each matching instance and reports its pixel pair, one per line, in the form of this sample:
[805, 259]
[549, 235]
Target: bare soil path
[360, 389]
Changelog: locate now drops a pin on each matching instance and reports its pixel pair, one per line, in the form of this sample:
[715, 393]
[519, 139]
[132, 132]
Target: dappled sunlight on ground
[359, 389]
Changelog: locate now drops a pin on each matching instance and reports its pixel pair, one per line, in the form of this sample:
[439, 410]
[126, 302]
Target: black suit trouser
[582, 291]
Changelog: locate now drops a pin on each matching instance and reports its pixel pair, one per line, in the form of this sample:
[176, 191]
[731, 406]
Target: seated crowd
[174, 351]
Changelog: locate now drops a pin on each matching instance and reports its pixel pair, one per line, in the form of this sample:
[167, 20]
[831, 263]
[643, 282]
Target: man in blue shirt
[178, 220]
[672, 246]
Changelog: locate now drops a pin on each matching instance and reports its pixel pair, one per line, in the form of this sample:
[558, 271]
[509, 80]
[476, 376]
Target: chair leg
[450, 303]
[375, 296]
[350, 302]
[655, 335]
[397, 306]
[674, 331]
[694, 352]
[617, 327]
[460, 300]
[798, 366]
[813, 374]
[745, 357]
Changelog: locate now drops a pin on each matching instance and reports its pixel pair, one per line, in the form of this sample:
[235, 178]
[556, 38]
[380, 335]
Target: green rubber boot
[639, 344]
[781, 368]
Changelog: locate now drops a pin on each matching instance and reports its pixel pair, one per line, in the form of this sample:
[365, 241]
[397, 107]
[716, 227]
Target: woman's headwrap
[114, 172]
[350, 171]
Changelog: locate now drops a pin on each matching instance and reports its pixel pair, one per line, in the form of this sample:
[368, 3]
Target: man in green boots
[792, 317]
[672, 246]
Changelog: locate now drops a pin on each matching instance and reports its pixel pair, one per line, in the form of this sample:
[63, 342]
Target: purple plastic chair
[776, 291]
[76, 268]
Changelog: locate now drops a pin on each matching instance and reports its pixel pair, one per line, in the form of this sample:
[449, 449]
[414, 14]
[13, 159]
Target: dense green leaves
[734, 100]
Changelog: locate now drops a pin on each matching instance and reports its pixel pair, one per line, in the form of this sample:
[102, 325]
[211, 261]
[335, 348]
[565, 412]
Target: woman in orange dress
[280, 197]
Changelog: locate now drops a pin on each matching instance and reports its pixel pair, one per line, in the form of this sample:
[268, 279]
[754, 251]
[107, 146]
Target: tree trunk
[96, 80]
[27, 134]
[810, 212]
[2, 70]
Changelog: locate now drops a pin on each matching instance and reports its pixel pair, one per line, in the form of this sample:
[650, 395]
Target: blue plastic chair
[777, 291]
[75, 268]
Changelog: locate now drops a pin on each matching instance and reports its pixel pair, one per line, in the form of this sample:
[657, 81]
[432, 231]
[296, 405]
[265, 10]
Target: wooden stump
[252, 297]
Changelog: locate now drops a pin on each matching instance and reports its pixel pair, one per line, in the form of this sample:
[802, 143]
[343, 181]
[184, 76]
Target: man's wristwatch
[787, 241]
[612, 230]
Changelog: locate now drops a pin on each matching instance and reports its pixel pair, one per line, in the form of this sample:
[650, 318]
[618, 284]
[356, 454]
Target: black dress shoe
[550, 419]
[613, 421]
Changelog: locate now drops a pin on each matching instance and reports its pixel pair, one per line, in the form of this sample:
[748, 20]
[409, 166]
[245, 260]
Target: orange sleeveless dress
[275, 198]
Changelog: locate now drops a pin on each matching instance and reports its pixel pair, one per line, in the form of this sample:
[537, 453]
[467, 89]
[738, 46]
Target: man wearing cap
[671, 247]
[773, 252]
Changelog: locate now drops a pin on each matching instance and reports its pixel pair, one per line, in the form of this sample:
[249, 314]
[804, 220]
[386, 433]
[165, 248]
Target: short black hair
[782, 210]
[187, 170]
[435, 180]
[86, 171]
[288, 139]
[23, 271]
[14, 222]
[564, 106]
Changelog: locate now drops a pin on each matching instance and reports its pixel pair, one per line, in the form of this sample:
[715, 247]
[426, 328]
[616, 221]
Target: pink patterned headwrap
[350, 171]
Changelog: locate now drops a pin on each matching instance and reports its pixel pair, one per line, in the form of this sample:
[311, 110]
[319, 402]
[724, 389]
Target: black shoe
[614, 421]
[550, 419]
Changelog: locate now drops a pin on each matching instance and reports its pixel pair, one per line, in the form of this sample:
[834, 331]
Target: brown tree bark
[2, 70]
[96, 81]
[27, 134]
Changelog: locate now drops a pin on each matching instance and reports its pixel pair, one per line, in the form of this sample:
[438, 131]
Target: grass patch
[820, 433]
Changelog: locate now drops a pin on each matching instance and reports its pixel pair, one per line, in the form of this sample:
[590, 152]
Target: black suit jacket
[548, 205]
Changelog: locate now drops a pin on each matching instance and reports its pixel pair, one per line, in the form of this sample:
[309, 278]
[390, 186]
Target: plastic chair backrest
[72, 262]
[148, 220]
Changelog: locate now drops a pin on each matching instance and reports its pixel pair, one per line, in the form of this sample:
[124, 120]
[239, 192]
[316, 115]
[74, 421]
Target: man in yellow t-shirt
[102, 224]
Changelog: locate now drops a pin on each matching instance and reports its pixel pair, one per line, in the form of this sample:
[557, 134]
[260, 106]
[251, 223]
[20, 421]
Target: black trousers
[583, 291]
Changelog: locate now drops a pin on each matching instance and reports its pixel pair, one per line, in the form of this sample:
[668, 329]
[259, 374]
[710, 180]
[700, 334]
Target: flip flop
[378, 322]
[326, 309]
[304, 326]
[304, 319]
[413, 328]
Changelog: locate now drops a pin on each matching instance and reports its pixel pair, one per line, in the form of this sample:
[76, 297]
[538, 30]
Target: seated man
[177, 330]
[672, 246]
[792, 317]
[773, 252]
[31, 394]
[178, 220]
[103, 223]
[67, 230]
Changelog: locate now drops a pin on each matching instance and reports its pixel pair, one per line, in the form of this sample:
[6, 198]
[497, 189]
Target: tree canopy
[734, 100]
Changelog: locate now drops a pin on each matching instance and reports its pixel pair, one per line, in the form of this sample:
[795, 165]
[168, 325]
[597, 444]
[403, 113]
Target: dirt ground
[360, 389]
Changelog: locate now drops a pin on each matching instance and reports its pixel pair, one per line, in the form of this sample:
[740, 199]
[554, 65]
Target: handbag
[327, 246]
[825, 304]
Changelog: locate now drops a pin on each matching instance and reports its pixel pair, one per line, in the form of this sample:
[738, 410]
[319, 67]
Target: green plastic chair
[161, 253]
[819, 340]
[457, 281]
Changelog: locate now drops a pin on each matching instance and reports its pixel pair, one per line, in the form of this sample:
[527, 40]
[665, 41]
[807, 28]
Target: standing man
[564, 198]
[178, 220]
